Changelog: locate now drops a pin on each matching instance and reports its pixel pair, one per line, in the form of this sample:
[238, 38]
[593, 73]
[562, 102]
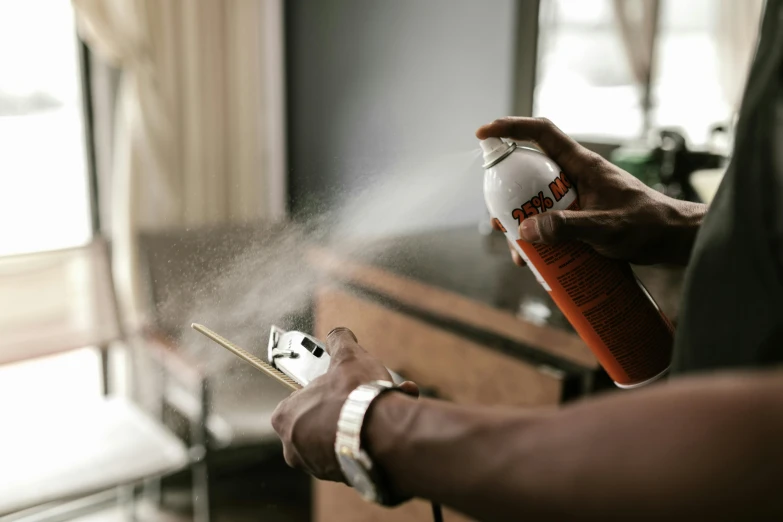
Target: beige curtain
[736, 34]
[198, 135]
[637, 21]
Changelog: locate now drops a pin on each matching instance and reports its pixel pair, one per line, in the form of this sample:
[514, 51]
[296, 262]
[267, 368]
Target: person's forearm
[705, 448]
[685, 219]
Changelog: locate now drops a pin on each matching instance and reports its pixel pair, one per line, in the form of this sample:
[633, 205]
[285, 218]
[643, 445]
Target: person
[704, 445]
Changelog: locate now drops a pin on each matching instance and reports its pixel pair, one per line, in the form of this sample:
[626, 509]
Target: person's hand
[306, 421]
[620, 216]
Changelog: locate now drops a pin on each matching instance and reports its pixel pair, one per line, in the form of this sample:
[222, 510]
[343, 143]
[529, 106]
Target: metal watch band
[349, 433]
[349, 425]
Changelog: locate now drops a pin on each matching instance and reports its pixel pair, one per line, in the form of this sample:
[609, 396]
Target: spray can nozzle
[495, 150]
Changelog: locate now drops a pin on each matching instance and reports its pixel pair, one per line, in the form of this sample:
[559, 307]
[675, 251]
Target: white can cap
[495, 150]
[490, 144]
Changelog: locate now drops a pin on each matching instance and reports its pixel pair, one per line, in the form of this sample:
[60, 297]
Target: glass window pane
[71, 378]
[44, 202]
[687, 90]
[584, 83]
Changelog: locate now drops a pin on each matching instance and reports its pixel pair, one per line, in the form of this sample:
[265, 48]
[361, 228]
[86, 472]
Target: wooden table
[442, 309]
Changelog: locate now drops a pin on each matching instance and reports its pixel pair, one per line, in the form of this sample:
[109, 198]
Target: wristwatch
[356, 465]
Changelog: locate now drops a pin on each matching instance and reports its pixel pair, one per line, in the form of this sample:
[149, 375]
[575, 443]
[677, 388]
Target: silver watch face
[357, 477]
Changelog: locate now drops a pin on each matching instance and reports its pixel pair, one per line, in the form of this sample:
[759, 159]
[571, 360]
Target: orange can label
[608, 307]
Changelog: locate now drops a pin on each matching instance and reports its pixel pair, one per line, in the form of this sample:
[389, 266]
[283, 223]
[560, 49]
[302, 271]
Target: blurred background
[307, 163]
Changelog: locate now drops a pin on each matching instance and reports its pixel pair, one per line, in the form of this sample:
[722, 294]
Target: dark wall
[373, 83]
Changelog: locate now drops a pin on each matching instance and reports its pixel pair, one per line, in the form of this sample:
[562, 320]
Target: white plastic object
[301, 356]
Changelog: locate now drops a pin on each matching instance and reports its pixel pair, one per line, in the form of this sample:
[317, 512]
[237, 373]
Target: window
[44, 201]
[44, 196]
[686, 85]
[584, 83]
[586, 86]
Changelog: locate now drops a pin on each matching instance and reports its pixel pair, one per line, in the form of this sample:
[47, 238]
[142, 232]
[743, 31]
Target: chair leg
[126, 500]
[200, 492]
[152, 492]
[105, 369]
[202, 509]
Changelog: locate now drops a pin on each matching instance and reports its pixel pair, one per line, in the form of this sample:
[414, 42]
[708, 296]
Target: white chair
[176, 263]
[53, 302]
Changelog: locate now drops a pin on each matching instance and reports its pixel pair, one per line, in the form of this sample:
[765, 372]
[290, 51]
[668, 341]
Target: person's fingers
[564, 150]
[515, 257]
[278, 417]
[497, 225]
[410, 388]
[291, 457]
[340, 342]
[564, 225]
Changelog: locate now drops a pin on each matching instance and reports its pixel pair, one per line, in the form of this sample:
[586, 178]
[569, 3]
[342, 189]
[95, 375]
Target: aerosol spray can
[602, 298]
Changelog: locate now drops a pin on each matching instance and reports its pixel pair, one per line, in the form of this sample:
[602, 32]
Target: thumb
[341, 342]
[409, 388]
[565, 225]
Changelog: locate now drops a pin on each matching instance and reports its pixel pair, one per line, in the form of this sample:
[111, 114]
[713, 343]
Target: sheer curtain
[736, 31]
[638, 24]
[736, 34]
[199, 121]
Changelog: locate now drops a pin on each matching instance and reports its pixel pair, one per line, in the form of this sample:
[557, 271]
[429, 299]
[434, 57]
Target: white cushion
[67, 453]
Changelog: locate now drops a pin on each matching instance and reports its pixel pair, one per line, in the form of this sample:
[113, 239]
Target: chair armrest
[186, 390]
[167, 354]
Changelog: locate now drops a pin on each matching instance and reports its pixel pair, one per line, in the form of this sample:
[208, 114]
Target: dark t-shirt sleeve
[733, 297]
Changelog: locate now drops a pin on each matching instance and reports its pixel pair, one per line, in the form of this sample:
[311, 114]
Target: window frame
[88, 117]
